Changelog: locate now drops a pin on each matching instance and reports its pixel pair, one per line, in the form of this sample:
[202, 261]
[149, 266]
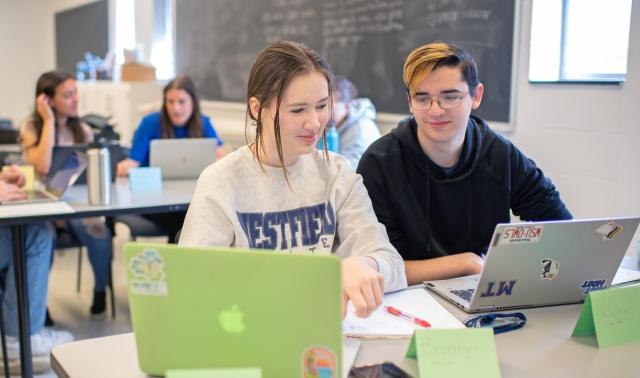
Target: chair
[140, 226]
[66, 239]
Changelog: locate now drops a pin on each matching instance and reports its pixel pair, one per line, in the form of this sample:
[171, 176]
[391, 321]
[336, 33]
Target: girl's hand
[125, 165]
[362, 284]
[43, 107]
[13, 175]
[10, 192]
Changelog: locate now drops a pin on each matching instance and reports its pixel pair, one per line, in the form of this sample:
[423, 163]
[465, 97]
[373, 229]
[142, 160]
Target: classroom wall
[585, 137]
[27, 49]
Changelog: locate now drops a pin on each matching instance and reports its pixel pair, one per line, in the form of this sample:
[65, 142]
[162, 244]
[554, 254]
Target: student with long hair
[180, 117]
[55, 122]
[280, 193]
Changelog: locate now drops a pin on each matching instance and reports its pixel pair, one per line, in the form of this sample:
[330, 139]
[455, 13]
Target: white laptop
[542, 264]
[182, 158]
[64, 177]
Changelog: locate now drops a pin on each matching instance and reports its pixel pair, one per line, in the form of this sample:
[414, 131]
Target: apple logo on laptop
[231, 320]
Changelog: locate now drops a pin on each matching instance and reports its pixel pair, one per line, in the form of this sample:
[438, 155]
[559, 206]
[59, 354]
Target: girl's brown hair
[48, 83]
[274, 69]
[194, 123]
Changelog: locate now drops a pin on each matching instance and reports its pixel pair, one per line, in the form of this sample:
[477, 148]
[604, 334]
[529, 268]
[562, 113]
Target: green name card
[613, 315]
[468, 352]
[215, 373]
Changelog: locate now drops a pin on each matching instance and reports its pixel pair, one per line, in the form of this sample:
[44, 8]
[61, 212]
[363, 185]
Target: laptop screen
[67, 174]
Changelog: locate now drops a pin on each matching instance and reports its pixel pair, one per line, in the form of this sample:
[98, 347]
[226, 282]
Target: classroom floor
[70, 309]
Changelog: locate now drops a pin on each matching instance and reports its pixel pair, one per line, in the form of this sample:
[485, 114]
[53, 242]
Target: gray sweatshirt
[358, 130]
[326, 209]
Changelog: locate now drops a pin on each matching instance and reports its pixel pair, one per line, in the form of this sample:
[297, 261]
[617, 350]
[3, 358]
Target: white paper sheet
[625, 275]
[417, 302]
[31, 209]
[349, 352]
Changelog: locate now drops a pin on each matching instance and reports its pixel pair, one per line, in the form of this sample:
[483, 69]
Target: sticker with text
[147, 268]
[609, 230]
[319, 362]
[591, 285]
[549, 268]
[521, 234]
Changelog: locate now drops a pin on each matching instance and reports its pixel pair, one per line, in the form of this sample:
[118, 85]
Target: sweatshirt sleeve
[140, 145]
[361, 234]
[533, 196]
[206, 224]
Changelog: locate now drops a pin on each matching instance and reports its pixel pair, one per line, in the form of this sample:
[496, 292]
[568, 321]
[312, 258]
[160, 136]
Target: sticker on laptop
[591, 285]
[147, 268]
[609, 230]
[549, 268]
[319, 362]
[521, 234]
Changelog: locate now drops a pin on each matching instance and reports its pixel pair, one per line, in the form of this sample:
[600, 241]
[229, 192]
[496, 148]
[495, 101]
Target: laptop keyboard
[465, 294]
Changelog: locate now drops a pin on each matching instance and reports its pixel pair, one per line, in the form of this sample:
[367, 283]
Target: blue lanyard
[499, 322]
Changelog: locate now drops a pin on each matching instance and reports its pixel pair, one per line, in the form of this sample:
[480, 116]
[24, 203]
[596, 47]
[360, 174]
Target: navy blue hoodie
[430, 213]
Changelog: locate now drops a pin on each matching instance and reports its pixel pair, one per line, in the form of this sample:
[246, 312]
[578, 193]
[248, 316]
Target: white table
[543, 348]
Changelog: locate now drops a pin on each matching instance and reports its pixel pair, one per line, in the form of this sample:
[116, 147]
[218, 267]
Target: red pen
[400, 313]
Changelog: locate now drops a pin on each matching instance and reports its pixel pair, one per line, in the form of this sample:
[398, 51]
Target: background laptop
[60, 155]
[58, 183]
[206, 308]
[542, 263]
[182, 158]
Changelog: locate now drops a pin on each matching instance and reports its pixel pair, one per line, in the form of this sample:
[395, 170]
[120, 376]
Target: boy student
[38, 238]
[279, 192]
[442, 180]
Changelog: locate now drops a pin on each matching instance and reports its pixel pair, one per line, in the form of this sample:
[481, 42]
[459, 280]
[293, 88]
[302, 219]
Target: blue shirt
[150, 129]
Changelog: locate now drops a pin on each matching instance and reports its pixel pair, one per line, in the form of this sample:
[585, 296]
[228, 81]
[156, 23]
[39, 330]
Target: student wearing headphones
[442, 180]
[279, 192]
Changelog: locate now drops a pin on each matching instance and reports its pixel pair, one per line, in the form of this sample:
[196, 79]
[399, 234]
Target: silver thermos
[99, 174]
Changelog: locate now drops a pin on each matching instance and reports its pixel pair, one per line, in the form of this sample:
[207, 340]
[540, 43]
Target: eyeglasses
[446, 102]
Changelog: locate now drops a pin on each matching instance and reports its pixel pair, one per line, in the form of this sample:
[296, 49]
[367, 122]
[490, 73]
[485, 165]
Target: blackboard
[365, 40]
[81, 29]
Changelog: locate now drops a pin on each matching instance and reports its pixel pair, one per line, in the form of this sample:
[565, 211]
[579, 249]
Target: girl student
[179, 118]
[55, 122]
[280, 193]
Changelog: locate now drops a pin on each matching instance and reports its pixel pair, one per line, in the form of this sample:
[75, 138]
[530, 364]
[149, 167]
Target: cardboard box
[137, 72]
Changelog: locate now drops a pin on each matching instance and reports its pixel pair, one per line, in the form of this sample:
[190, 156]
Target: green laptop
[197, 308]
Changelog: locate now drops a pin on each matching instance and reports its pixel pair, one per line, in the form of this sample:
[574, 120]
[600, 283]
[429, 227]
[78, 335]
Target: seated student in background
[281, 193]
[38, 238]
[442, 180]
[355, 121]
[55, 122]
[179, 118]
